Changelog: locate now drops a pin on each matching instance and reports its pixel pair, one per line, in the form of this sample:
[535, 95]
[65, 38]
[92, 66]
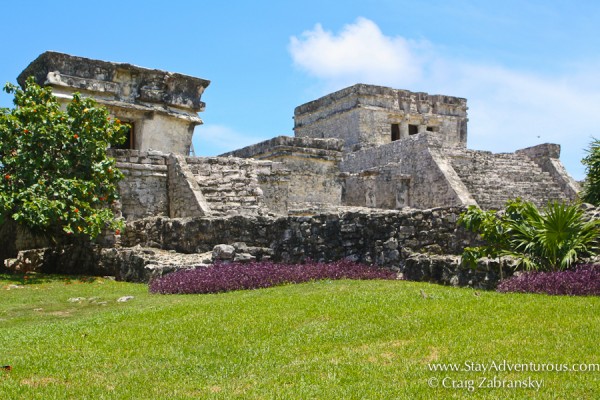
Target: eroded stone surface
[161, 106]
[374, 174]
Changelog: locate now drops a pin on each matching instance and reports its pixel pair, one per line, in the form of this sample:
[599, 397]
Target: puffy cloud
[359, 52]
[508, 108]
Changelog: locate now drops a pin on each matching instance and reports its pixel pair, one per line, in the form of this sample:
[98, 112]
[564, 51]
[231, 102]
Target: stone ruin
[160, 106]
[372, 173]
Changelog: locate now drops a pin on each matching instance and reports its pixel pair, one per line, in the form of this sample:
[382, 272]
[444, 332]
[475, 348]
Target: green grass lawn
[321, 340]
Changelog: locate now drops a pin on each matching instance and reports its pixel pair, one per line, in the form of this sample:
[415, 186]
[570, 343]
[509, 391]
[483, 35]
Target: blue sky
[529, 69]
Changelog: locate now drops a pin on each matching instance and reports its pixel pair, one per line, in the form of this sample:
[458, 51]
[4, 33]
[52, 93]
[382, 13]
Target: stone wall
[383, 187]
[371, 236]
[144, 190]
[313, 165]
[433, 181]
[422, 245]
[185, 195]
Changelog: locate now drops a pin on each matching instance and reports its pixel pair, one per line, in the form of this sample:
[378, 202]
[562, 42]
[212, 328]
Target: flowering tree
[55, 174]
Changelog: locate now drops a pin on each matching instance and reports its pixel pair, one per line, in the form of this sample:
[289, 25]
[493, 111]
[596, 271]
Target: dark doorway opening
[413, 129]
[395, 132]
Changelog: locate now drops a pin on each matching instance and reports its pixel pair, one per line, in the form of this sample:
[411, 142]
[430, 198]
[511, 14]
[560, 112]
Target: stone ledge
[315, 146]
[151, 85]
[142, 167]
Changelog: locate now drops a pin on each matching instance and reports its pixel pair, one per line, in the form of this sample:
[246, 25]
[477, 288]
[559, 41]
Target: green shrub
[550, 240]
[54, 171]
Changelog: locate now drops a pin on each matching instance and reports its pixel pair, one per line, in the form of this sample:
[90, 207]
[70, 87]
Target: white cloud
[213, 139]
[360, 52]
[508, 108]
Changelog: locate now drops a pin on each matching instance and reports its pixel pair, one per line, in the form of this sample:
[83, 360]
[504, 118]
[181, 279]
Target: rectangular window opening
[430, 129]
[129, 142]
[395, 132]
[413, 129]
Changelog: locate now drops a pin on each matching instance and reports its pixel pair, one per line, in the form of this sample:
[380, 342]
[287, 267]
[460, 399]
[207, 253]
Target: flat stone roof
[366, 94]
[126, 82]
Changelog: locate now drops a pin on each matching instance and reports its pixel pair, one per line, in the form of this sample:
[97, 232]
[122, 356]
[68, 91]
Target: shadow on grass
[37, 278]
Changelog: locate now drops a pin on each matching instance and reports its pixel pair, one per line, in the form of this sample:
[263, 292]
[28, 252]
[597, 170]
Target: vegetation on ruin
[55, 175]
[223, 277]
[68, 338]
[591, 186]
[552, 239]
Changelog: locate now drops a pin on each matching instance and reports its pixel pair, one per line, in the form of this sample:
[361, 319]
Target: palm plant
[553, 239]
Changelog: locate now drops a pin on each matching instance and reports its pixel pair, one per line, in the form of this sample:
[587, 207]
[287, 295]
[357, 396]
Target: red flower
[76, 210]
[76, 136]
[118, 232]
[7, 176]
[25, 130]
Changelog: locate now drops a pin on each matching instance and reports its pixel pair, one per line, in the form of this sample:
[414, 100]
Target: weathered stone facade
[420, 244]
[161, 106]
[171, 185]
[368, 116]
[313, 165]
[374, 174]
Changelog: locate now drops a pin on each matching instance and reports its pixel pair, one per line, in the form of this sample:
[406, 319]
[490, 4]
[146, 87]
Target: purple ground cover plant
[583, 280]
[237, 276]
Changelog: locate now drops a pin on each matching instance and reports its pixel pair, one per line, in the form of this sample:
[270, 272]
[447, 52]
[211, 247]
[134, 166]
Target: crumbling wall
[313, 165]
[383, 187]
[372, 236]
[143, 191]
[433, 181]
[420, 244]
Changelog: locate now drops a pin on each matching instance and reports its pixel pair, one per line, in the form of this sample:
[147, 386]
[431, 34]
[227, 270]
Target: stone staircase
[492, 179]
[229, 185]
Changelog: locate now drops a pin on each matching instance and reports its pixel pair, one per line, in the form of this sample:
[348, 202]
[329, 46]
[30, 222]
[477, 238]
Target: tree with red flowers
[55, 174]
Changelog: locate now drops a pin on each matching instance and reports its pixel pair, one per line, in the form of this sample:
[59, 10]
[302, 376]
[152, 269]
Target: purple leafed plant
[255, 275]
[583, 280]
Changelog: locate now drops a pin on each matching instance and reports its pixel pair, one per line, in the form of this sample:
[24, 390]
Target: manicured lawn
[321, 340]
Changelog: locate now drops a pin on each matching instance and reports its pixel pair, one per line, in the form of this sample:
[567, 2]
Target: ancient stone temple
[372, 174]
[160, 106]
[369, 116]
[389, 148]
[364, 145]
